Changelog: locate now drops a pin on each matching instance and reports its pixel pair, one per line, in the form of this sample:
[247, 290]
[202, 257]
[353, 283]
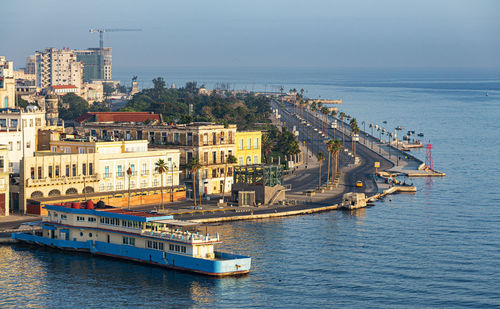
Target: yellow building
[76, 167]
[4, 181]
[248, 147]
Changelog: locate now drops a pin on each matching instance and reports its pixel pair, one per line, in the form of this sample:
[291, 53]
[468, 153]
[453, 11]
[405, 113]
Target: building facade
[248, 147]
[55, 67]
[4, 181]
[210, 143]
[7, 84]
[19, 131]
[50, 174]
[96, 66]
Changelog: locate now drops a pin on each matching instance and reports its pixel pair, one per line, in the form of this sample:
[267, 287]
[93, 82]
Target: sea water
[437, 248]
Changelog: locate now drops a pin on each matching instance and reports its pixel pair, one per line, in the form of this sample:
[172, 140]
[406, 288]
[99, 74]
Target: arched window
[54, 192]
[36, 194]
[249, 160]
[71, 191]
[88, 190]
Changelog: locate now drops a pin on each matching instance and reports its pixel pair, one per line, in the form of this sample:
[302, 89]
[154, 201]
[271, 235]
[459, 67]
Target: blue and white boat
[134, 235]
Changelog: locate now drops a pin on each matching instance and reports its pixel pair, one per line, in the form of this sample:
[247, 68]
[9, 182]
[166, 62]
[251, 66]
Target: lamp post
[174, 166]
[129, 174]
[371, 126]
[379, 140]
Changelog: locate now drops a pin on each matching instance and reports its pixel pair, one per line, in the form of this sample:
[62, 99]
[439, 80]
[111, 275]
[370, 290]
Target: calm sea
[438, 248]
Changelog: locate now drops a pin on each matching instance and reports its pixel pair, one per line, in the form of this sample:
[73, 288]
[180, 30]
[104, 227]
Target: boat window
[90, 234]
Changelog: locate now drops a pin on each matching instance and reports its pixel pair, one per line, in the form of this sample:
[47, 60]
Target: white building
[7, 84]
[55, 67]
[18, 130]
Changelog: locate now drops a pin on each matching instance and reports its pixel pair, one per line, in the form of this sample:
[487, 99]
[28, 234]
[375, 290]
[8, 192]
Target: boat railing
[183, 236]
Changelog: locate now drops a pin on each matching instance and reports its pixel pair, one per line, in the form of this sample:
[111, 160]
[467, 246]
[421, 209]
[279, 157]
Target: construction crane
[101, 34]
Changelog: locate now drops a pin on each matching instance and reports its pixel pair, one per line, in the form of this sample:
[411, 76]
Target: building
[55, 67]
[64, 89]
[74, 168]
[30, 65]
[7, 84]
[4, 181]
[210, 143]
[18, 130]
[248, 147]
[96, 66]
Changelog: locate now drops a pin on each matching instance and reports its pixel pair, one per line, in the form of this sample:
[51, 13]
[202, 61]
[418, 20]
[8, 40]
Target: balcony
[145, 173]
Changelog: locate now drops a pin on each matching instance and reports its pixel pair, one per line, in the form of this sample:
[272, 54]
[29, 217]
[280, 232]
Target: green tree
[229, 160]
[71, 106]
[161, 167]
[320, 157]
[108, 89]
[194, 166]
[267, 147]
[337, 146]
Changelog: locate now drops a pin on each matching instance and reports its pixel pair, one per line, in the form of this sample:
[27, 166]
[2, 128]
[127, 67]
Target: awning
[48, 227]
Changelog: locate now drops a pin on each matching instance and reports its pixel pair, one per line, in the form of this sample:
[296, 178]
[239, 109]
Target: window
[154, 245]
[74, 169]
[255, 159]
[53, 149]
[249, 143]
[10, 146]
[128, 240]
[155, 182]
[119, 171]
[57, 170]
[214, 156]
[18, 145]
[256, 143]
[214, 138]
[249, 160]
[50, 171]
[144, 183]
[240, 144]
[91, 219]
[106, 171]
[144, 168]
[84, 168]
[110, 186]
[67, 149]
[81, 149]
[78, 218]
[119, 185]
[132, 184]
[67, 170]
[64, 217]
[91, 168]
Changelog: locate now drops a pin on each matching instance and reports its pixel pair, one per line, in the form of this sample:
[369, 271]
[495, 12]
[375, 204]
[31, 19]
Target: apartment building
[4, 181]
[7, 84]
[55, 67]
[210, 143]
[19, 130]
[248, 147]
[76, 167]
[97, 64]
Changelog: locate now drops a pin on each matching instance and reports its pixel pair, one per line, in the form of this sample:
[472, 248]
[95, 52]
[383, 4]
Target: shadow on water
[57, 276]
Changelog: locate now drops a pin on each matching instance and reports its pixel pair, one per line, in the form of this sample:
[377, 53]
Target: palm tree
[320, 157]
[229, 160]
[330, 153]
[161, 167]
[337, 146]
[194, 166]
[355, 130]
[341, 116]
[267, 147]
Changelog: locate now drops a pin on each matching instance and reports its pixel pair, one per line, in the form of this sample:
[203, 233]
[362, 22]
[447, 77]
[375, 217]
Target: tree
[72, 106]
[108, 89]
[329, 147]
[194, 166]
[355, 130]
[320, 157]
[161, 167]
[341, 116]
[267, 147]
[229, 160]
[20, 102]
[337, 146]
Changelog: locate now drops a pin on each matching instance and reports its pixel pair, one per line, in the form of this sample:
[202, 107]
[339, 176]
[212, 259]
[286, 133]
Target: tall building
[55, 67]
[30, 65]
[95, 65]
[7, 84]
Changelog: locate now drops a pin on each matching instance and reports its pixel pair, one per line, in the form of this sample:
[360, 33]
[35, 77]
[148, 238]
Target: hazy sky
[284, 33]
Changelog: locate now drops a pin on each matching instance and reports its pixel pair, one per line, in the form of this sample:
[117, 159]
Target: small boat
[385, 121]
[399, 128]
[421, 134]
[486, 93]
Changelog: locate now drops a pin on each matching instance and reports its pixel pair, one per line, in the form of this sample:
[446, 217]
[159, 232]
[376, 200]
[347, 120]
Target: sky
[262, 33]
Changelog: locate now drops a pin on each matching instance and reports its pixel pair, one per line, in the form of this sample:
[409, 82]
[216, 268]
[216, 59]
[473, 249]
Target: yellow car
[359, 183]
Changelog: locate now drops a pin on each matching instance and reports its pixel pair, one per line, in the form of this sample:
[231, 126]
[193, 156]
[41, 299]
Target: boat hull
[225, 264]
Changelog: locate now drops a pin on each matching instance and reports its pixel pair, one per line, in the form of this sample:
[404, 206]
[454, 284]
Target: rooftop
[118, 117]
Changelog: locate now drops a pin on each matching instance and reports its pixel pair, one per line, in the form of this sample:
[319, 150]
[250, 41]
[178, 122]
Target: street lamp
[364, 129]
[174, 166]
[129, 174]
